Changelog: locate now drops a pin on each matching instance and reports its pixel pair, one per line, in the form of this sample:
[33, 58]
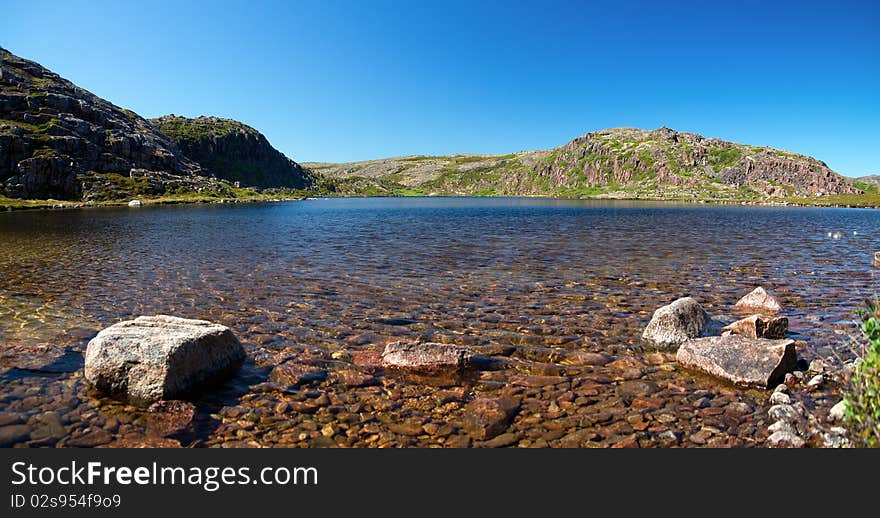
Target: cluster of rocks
[749, 352]
[155, 361]
[793, 426]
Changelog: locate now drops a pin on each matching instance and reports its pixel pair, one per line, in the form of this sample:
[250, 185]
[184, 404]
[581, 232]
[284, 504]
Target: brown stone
[757, 326]
[751, 362]
[294, 374]
[165, 418]
[581, 358]
[485, 418]
[759, 300]
[90, 439]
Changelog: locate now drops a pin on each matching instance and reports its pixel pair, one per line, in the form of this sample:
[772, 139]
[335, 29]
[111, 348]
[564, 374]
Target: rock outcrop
[160, 357]
[748, 362]
[57, 140]
[686, 161]
[234, 151]
[674, 323]
[616, 162]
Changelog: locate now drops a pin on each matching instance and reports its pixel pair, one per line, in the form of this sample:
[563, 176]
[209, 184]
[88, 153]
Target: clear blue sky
[340, 81]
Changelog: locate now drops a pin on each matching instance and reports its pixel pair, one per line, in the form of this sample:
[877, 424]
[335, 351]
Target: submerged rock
[674, 323]
[13, 434]
[294, 374]
[160, 357]
[759, 300]
[424, 356]
[757, 326]
[751, 362]
[487, 417]
[165, 418]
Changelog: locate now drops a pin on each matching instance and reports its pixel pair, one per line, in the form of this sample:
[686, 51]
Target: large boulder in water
[748, 362]
[675, 323]
[160, 357]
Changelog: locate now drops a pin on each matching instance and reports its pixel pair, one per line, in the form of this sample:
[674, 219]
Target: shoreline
[18, 205]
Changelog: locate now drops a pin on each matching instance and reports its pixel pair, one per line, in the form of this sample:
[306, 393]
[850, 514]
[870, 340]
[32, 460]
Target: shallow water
[526, 280]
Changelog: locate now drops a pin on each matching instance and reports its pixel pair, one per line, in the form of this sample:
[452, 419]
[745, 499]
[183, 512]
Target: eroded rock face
[757, 326]
[424, 357]
[761, 301]
[674, 323]
[160, 357]
[748, 362]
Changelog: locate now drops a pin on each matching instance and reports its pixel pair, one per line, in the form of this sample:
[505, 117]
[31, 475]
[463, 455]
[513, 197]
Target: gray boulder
[160, 357]
[750, 362]
[675, 323]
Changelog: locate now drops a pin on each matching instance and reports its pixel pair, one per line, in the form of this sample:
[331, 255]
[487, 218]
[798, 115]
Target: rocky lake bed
[437, 323]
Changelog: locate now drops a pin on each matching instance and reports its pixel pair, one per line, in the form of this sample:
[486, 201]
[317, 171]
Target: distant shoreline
[831, 201]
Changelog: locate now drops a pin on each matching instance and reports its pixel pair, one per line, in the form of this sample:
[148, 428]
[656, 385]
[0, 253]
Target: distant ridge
[617, 162]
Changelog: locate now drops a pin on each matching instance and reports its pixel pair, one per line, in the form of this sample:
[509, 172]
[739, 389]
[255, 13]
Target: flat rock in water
[160, 357]
[750, 362]
[759, 300]
[674, 323]
[424, 356]
[757, 326]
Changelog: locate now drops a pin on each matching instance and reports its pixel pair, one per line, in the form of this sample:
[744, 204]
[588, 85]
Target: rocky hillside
[663, 159]
[234, 151]
[60, 141]
[460, 175]
[620, 162]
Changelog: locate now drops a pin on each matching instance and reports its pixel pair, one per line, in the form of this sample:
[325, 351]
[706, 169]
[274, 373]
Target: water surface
[527, 281]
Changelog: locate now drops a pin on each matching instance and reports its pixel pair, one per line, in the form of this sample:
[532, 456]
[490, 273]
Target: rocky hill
[60, 141]
[619, 162]
[234, 151]
[646, 161]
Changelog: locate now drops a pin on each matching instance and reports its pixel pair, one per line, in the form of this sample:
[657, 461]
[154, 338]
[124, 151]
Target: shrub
[863, 392]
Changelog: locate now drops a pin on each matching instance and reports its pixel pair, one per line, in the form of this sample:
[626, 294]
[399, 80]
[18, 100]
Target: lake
[526, 281]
